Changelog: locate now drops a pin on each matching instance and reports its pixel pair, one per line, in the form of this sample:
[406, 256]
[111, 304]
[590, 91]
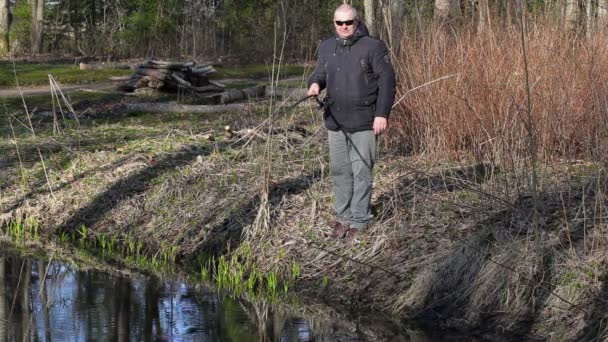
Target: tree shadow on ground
[42, 189]
[230, 232]
[596, 328]
[132, 186]
[28, 152]
[465, 283]
[448, 180]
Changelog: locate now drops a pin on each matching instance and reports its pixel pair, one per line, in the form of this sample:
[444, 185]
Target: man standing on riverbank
[359, 79]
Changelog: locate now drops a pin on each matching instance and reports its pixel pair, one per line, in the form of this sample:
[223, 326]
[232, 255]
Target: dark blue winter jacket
[359, 80]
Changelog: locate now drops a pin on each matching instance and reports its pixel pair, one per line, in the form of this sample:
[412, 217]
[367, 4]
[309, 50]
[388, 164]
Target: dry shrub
[482, 111]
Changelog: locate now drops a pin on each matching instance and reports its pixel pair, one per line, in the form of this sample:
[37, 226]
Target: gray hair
[349, 8]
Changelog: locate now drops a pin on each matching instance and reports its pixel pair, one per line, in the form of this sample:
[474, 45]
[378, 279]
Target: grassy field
[260, 71]
[35, 74]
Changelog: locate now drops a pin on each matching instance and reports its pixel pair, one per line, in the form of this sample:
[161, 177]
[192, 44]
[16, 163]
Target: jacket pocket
[365, 71]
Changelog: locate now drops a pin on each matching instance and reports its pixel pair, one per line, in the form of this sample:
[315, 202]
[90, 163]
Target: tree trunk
[124, 307]
[5, 26]
[484, 17]
[589, 17]
[369, 6]
[396, 17]
[92, 27]
[602, 14]
[37, 25]
[74, 18]
[571, 15]
[442, 9]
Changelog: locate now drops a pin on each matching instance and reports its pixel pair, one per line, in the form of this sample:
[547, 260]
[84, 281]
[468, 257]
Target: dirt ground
[45, 90]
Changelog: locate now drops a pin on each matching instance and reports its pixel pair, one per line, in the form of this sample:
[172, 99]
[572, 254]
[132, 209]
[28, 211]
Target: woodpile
[173, 76]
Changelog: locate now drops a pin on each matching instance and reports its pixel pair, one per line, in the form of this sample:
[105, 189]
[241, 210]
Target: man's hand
[380, 124]
[314, 90]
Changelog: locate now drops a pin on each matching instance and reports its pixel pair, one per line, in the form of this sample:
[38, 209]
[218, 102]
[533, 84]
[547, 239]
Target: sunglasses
[346, 22]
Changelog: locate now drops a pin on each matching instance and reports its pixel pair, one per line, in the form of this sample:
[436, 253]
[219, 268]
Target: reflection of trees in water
[151, 318]
[122, 300]
[3, 303]
[18, 274]
[44, 300]
[25, 281]
[68, 304]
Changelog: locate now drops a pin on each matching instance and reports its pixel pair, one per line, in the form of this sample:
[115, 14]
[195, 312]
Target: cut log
[207, 89]
[155, 83]
[180, 80]
[173, 76]
[204, 70]
[199, 80]
[217, 84]
[173, 107]
[234, 95]
[142, 82]
[158, 73]
[167, 65]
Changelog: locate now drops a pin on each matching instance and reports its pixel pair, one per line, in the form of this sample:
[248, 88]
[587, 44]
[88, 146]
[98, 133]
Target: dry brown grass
[481, 112]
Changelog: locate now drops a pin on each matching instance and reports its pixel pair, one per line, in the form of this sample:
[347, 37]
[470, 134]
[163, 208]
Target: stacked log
[173, 76]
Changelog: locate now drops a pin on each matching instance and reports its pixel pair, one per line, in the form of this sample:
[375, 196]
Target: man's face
[345, 24]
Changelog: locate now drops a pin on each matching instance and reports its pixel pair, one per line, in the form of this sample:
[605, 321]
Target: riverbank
[459, 242]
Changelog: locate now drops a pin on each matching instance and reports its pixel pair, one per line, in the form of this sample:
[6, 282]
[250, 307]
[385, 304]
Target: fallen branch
[173, 107]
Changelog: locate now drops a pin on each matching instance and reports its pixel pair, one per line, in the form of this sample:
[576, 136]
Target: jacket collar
[359, 33]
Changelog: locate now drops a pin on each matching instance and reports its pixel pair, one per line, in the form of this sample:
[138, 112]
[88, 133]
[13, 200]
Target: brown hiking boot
[339, 230]
[351, 236]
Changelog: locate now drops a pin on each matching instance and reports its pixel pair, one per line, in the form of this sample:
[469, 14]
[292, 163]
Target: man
[359, 79]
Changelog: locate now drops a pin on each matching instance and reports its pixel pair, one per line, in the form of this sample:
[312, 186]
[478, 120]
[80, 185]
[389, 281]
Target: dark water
[85, 305]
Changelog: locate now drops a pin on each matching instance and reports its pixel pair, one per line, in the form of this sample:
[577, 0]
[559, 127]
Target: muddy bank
[456, 243]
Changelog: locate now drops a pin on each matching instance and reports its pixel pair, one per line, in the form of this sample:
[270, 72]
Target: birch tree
[393, 13]
[590, 10]
[37, 25]
[484, 16]
[571, 15]
[5, 26]
[369, 6]
[602, 14]
[442, 9]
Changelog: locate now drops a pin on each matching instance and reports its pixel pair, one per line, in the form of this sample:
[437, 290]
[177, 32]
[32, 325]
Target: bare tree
[26, 317]
[37, 25]
[5, 26]
[571, 15]
[483, 24]
[590, 10]
[393, 12]
[442, 9]
[369, 6]
[602, 14]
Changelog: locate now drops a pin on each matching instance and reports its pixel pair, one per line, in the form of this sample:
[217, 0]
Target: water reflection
[58, 302]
